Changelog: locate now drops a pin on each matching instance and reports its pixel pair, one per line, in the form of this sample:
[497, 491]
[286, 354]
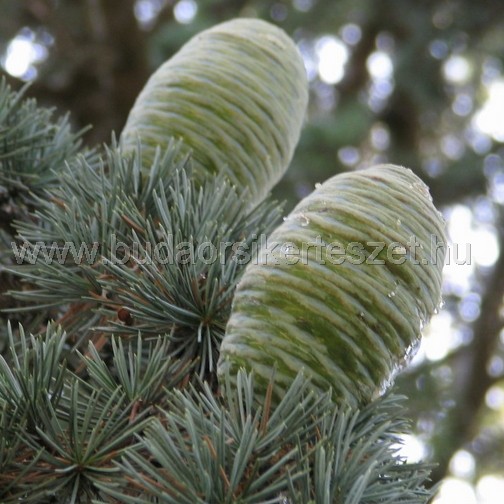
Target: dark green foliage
[34, 380]
[142, 373]
[124, 433]
[86, 212]
[112, 238]
[59, 434]
[188, 267]
[33, 147]
[304, 450]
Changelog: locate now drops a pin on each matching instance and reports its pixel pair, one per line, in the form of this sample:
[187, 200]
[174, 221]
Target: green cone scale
[236, 94]
[343, 287]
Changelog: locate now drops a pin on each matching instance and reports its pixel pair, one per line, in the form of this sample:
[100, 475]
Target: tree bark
[472, 379]
[98, 62]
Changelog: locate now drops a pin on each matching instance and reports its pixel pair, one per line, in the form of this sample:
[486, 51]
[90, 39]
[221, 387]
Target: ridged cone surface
[236, 94]
[354, 321]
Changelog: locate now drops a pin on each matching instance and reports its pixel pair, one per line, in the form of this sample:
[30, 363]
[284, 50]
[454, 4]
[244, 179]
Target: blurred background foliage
[418, 83]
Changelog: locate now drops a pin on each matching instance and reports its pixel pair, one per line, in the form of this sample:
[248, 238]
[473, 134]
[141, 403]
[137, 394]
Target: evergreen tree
[132, 266]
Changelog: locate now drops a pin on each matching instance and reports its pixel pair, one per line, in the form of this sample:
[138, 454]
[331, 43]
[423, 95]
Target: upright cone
[236, 95]
[344, 294]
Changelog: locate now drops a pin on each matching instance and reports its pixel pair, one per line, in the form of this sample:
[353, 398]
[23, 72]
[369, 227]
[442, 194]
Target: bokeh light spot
[332, 57]
[185, 11]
